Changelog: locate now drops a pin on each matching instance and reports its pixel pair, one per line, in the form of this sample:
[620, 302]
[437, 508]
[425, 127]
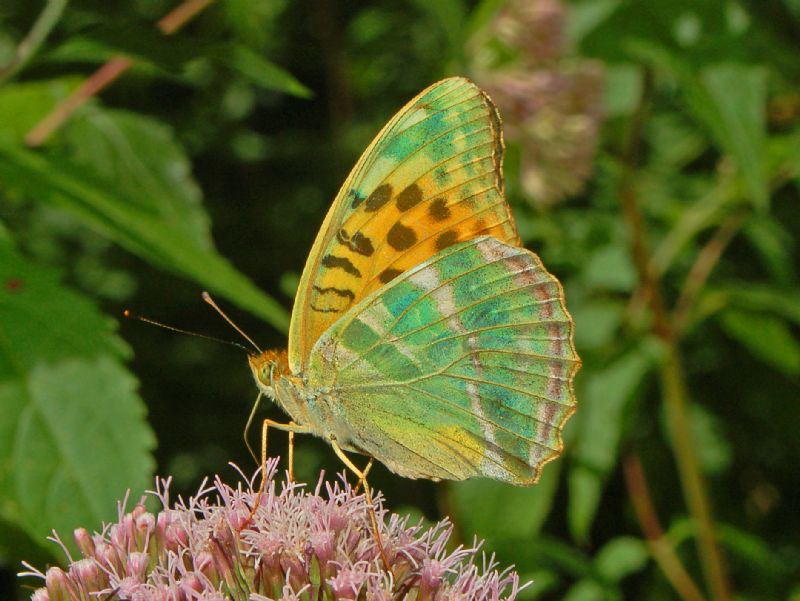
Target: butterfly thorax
[306, 406]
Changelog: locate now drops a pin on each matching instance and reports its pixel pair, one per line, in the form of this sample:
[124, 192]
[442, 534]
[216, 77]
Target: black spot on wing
[446, 239]
[357, 243]
[356, 199]
[401, 237]
[408, 198]
[342, 263]
[343, 292]
[387, 275]
[378, 198]
[438, 209]
[324, 310]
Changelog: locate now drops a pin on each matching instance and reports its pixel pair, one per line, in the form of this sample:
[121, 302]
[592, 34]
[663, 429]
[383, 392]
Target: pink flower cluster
[550, 103]
[299, 544]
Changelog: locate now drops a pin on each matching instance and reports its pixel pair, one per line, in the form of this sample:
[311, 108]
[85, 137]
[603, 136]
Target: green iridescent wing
[459, 367]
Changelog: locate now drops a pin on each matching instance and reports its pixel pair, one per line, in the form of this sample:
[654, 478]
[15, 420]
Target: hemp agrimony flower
[299, 544]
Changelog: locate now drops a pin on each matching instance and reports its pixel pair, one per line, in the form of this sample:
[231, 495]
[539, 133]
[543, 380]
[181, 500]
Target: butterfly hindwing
[460, 367]
[431, 178]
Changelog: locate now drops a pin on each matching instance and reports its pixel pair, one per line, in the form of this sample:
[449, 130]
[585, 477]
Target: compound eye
[266, 372]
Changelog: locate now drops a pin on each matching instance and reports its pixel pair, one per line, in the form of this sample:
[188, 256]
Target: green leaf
[737, 117]
[141, 232]
[139, 156]
[29, 102]
[450, 16]
[604, 399]
[73, 437]
[767, 337]
[729, 100]
[714, 452]
[622, 90]
[610, 268]
[774, 244]
[597, 322]
[524, 508]
[621, 557]
[586, 590]
[586, 15]
[260, 71]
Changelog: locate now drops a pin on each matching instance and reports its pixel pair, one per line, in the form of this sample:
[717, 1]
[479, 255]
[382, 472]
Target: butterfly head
[268, 367]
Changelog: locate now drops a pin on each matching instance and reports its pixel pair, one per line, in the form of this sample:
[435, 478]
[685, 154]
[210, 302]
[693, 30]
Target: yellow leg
[247, 427]
[292, 428]
[291, 454]
[366, 473]
[362, 479]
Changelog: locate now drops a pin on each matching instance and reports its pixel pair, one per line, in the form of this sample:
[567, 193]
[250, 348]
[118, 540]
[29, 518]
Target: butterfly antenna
[130, 315]
[210, 301]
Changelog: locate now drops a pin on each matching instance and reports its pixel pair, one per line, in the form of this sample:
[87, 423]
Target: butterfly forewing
[430, 179]
[460, 367]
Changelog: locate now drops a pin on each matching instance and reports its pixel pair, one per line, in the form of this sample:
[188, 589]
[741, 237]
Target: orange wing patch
[432, 177]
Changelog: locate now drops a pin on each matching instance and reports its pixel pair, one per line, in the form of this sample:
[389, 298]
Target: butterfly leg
[366, 473]
[250, 423]
[292, 428]
[362, 479]
[291, 453]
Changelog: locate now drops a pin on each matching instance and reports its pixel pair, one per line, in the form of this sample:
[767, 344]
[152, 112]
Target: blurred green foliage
[247, 120]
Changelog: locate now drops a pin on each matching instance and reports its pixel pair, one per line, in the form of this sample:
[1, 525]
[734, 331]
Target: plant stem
[660, 547]
[673, 386]
[27, 48]
[672, 377]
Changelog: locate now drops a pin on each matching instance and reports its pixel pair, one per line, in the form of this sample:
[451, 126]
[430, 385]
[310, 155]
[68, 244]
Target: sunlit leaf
[141, 232]
[141, 159]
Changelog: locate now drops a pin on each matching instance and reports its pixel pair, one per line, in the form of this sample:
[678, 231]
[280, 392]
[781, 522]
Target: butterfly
[423, 335]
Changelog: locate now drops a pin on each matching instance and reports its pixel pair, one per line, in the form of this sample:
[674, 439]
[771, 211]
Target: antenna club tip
[126, 313]
[205, 295]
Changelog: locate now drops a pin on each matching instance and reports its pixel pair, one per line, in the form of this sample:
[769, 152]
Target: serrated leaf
[139, 156]
[524, 509]
[56, 181]
[604, 399]
[73, 435]
[767, 337]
